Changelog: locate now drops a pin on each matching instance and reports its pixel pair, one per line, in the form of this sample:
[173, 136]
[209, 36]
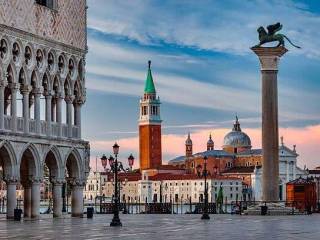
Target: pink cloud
[307, 140]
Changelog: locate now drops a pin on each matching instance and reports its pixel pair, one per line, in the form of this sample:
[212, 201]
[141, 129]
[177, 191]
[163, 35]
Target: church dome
[236, 138]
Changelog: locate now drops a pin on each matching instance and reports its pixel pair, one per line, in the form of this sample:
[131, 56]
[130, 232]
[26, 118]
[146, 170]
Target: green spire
[149, 87]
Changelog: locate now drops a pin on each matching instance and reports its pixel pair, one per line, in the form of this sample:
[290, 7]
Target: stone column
[48, 113]
[11, 197]
[2, 87]
[294, 170]
[77, 117]
[37, 95]
[58, 114]
[269, 58]
[53, 108]
[26, 115]
[77, 200]
[69, 101]
[13, 105]
[27, 200]
[57, 199]
[35, 198]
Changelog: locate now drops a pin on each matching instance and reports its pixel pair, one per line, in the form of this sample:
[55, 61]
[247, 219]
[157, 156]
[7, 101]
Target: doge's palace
[43, 44]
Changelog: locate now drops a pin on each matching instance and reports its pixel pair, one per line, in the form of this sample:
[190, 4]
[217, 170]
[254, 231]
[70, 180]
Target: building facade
[238, 159]
[42, 90]
[175, 188]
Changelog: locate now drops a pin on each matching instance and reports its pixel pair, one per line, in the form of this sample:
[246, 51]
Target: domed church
[238, 159]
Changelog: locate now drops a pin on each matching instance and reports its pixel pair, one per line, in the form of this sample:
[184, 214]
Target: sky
[204, 72]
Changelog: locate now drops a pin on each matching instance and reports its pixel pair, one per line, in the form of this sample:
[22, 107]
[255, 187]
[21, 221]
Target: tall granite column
[269, 58]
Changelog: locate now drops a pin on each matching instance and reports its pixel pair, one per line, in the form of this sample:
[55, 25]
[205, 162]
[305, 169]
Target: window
[46, 3]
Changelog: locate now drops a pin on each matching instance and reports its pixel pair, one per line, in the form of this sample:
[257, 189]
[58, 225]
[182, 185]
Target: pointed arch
[10, 162]
[11, 73]
[52, 158]
[32, 152]
[34, 79]
[73, 163]
[67, 86]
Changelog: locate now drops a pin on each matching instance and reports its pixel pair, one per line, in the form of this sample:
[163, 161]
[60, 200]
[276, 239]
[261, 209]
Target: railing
[274, 207]
[20, 124]
[75, 132]
[43, 128]
[55, 128]
[65, 130]
[32, 126]
[7, 122]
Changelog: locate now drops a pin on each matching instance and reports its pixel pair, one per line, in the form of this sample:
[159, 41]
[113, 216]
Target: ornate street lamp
[116, 167]
[205, 215]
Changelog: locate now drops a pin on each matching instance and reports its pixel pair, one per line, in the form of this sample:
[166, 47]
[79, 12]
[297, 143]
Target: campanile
[150, 126]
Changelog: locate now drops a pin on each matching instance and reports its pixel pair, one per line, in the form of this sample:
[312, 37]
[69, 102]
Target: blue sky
[202, 65]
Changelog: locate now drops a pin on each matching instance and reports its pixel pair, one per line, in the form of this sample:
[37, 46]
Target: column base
[78, 215]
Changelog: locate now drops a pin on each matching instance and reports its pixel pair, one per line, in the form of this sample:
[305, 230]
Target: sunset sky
[204, 72]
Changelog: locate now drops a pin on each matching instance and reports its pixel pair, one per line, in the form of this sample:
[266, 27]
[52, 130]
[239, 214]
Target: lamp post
[116, 167]
[205, 215]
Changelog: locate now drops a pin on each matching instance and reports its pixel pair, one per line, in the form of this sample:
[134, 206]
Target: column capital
[13, 86]
[25, 89]
[69, 99]
[269, 57]
[11, 180]
[78, 182]
[37, 92]
[56, 182]
[2, 84]
[35, 180]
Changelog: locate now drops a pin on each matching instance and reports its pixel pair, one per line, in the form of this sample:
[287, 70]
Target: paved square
[155, 227]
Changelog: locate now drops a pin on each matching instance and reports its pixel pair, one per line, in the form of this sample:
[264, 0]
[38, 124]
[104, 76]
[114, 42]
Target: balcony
[56, 130]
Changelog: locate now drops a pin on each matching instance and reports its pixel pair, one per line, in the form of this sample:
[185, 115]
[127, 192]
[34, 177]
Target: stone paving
[165, 227]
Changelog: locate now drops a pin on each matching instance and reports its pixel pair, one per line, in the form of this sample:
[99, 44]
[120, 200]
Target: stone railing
[7, 122]
[20, 124]
[32, 126]
[55, 128]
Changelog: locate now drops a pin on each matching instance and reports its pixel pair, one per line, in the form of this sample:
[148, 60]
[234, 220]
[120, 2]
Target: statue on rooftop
[272, 35]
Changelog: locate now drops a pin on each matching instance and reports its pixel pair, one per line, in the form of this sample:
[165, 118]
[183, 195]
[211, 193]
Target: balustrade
[8, 121]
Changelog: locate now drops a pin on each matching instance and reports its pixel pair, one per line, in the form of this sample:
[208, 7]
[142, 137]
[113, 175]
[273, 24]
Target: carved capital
[78, 182]
[35, 180]
[37, 92]
[69, 99]
[57, 181]
[11, 180]
[25, 89]
[269, 57]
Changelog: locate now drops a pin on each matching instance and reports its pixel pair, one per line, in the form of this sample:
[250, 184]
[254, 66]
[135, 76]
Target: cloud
[212, 25]
[307, 140]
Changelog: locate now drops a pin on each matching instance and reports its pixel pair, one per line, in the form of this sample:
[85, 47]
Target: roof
[314, 171]
[168, 176]
[169, 167]
[249, 169]
[251, 152]
[301, 180]
[149, 87]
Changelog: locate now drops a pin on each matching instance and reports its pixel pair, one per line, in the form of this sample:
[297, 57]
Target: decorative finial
[149, 64]
[294, 148]
[188, 135]
[210, 136]
[281, 138]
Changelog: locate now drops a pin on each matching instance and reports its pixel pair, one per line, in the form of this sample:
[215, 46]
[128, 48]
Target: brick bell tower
[150, 126]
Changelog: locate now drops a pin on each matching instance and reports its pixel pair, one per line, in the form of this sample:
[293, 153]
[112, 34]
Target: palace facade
[42, 90]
